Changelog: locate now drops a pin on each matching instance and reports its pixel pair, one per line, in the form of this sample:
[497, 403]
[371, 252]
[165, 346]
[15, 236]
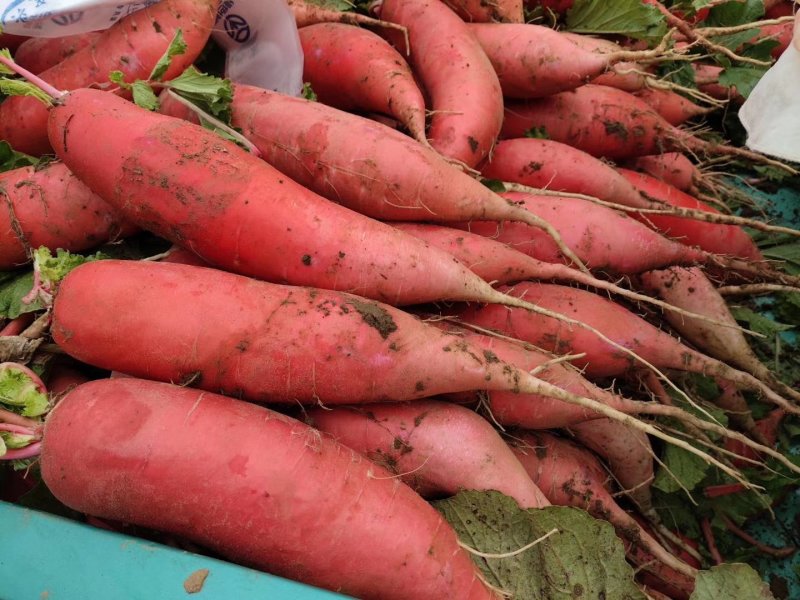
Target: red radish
[606, 122]
[627, 453]
[628, 76]
[361, 164]
[533, 61]
[570, 476]
[603, 238]
[541, 412]
[49, 206]
[673, 168]
[18, 325]
[62, 379]
[465, 94]
[776, 9]
[188, 185]
[707, 80]
[559, 6]
[737, 409]
[496, 262]
[711, 237]
[617, 323]
[39, 54]
[308, 13]
[484, 11]
[354, 69]
[182, 256]
[674, 108]
[767, 428]
[133, 45]
[437, 448]
[390, 355]
[780, 32]
[691, 289]
[10, 41]
[129, 450]
[559, 167]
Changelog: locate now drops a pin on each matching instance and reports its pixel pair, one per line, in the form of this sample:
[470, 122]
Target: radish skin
[485, 11]
[437, 448]
[39, 54]
[711, 237]
[466, 99]
[354, 69]
[673, 168]
[674, 108]
[106, 454]
[49, 206]
[628, 454]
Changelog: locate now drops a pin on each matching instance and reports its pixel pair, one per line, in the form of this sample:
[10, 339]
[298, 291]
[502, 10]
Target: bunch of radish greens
[500, 308]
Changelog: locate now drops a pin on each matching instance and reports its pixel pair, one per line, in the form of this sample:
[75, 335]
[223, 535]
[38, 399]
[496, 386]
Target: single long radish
[673, 168]
[133, 46]
[571, 476]
[603, 239]
[674, 108]
[10, 41]
[711, 237]
[308, 13]
[188, 185]
[464, 91]
[496, 262]
[391, 355]
[130, 450]
[533, 61]
[617, 323]
[49, 206]
[611, 123]
[628, 454]
[556, 166]
[692, 290]
[437, 448]
[485, 11]
[354, 69]
[362, 164]
[39, 54]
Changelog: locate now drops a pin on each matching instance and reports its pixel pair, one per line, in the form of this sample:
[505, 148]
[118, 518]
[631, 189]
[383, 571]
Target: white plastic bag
[771, 114]
[259, 36]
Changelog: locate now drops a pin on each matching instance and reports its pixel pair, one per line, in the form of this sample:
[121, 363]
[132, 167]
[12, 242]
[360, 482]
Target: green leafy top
[176, 47]
[584, 559]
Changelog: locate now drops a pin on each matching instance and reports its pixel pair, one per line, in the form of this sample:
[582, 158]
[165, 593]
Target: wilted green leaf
[585, 559]
[625, 17]
[758, 322]
[308, 92]
[212, 94]
[686, 467]
[11, 294]
[730, 14]
[733, 581]
[744, 79]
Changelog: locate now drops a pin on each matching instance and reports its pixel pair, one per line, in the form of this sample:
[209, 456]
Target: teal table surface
[45, 557]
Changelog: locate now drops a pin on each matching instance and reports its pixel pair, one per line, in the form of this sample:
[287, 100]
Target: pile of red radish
[353, 263]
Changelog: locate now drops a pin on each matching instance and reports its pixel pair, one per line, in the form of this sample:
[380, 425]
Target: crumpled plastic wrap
[260, 36]
[771, 114]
